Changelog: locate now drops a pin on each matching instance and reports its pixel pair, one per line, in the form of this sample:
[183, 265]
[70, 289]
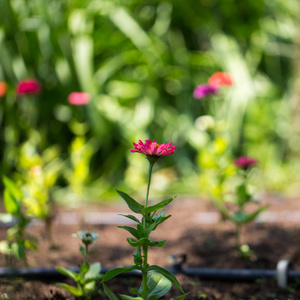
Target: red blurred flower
[204, 90]
[153, 149]
[245, 162]
[28, 86]
[3, 88]
[220, 78]
[79, 98]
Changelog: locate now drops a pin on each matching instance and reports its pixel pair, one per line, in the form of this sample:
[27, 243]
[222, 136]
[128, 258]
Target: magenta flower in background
[245, 162]
[204, 90]
[220, 78]
[79, 98]
[28, 86]
[150, 148]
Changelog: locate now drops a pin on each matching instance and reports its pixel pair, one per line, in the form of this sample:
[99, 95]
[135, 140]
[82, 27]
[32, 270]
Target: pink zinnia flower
[28, 86]
[3, 88]
[79, 98]
[245, 162]
[204, 90]
[220, 78]
[153, 149]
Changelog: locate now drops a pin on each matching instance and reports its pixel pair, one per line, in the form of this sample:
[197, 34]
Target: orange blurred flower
[220, 78]
[3, 88]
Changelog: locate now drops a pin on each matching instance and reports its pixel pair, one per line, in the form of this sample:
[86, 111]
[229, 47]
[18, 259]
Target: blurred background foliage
[140, 61]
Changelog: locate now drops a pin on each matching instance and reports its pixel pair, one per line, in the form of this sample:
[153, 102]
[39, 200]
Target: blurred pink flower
[28, 86]
[204, 90]
[3, 88]
[245, 162]
[220, 78]
[79, 98]
[153, 149]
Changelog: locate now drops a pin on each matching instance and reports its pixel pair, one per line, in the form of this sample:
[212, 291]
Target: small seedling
[242, 197]
[88, 274]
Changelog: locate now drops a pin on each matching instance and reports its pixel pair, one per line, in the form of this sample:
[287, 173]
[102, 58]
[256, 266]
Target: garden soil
[195, 230]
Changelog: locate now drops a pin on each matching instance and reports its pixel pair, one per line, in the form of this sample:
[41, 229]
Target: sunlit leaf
[67, 273]
[125, 297]
[75, 291]
[158, 284]
[167, 274]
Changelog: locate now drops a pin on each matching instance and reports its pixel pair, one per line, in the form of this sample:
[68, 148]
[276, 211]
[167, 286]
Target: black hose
[237, 275]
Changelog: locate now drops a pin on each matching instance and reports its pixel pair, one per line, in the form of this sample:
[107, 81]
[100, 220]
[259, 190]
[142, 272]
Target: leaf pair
[85, 281]
[242, 217]
[139, 209]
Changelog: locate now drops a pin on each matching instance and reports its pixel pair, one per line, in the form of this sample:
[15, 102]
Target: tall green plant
[154, 285]
[18, 241]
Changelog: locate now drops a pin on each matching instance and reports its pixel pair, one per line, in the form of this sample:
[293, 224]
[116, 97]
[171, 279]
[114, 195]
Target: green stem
[145, 248]
[151, 164]
[238, 236]
[144, 272]
[86, 254]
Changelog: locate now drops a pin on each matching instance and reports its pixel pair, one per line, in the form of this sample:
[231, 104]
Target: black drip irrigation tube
[284, 273]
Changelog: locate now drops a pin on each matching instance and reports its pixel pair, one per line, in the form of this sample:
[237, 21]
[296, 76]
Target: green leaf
[131, 230]
[90, 286]
[82, 250]
[93, 273]
[68, 273]
[84, 267]
[125, 297]
[5, 247]
[12, 232]
[131, 217]
[145, 242]
[239, 217]
[12, 206]
[167, 274]
[132, 204]
[158, 285]
[31, 245]
[137, 257]
[141, 230]
[116, 271]
[157, 219]
[253, 215]
[18, 250]
[13, 189]
[75, 291]
[157, 206]
[180, 297]
[109, 293]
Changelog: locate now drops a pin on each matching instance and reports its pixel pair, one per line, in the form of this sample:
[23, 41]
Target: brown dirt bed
[206, 243]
